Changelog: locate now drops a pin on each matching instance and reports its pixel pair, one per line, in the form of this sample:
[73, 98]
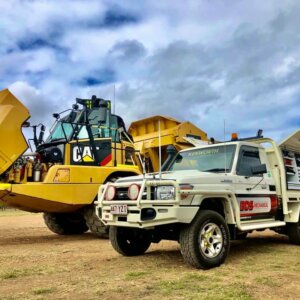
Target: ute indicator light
[185, 187]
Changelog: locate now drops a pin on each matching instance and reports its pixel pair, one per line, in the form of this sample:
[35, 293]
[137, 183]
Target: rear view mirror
[71, 117]
[260, 169]
[26, 124]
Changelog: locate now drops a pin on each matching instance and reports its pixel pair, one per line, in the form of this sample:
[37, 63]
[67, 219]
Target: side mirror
[26, 124]
[71, 117]
[260, 169]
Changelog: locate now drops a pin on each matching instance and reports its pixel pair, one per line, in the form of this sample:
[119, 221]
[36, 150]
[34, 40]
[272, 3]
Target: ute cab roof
[223, 144]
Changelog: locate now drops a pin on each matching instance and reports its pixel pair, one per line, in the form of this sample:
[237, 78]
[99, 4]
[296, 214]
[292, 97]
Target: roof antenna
[159, 148]
[114, 103]
[225, 170]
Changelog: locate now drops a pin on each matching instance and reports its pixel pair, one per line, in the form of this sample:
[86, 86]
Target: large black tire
[94, 224]
[293, 231]
[65, 223]
[205, 242]
[129, 241]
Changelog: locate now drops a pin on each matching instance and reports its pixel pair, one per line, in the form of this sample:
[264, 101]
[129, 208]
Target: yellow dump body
[145, 133]
[12, 142]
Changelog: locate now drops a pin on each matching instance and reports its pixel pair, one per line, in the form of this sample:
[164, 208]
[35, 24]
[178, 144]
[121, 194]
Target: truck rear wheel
[205, 242]
[94, 224]
[129, 241]
[65, 223]
[293, 231]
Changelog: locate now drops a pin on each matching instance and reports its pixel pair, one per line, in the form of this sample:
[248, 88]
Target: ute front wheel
[205, 242]
[65, 223]
[129, 241]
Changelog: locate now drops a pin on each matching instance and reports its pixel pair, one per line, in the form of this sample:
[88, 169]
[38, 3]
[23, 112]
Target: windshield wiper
[57, 139]
[216, 170]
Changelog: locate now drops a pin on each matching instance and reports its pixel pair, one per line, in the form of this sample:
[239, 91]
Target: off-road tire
[191, 242]
[94, 224]
[293, 231]
[65, 223]
[129, 241]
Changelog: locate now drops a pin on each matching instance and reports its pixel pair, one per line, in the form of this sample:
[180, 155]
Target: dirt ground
[38, 264]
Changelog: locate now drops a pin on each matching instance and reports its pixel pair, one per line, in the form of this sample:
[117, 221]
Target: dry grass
[8, 212]
[36, 264]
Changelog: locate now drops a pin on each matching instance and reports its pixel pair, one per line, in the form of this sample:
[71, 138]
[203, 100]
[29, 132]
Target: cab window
[248, 158]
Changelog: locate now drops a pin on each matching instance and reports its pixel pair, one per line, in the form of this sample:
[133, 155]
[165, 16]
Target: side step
[261, 225]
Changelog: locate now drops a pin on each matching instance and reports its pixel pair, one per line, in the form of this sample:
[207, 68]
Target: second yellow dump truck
[87, 146]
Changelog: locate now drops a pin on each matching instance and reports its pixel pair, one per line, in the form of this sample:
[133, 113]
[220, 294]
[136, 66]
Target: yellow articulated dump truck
[87, 146]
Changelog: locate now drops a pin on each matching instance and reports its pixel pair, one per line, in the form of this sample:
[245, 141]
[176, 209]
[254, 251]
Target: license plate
[118, 209]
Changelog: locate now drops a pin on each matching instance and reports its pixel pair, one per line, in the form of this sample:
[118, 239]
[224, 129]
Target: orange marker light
[234, 136]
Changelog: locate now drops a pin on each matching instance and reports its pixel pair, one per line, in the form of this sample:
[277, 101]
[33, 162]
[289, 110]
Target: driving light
[133, 191]
[165, 192]
[110, 192]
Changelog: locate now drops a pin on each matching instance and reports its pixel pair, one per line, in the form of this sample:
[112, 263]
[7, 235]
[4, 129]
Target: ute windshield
[216, 159]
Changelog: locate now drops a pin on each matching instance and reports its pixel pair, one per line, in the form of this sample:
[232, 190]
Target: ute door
[252, 190]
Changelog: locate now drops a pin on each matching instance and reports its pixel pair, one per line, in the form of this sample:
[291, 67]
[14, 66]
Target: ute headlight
[165, 192]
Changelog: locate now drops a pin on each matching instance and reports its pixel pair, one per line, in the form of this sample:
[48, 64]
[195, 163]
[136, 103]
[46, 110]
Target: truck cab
[207, 196]
[87, 146]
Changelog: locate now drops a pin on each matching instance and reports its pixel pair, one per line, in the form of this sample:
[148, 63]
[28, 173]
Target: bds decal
[254, 205]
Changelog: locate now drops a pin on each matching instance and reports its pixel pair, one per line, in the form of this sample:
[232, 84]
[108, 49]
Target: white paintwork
[229, 188]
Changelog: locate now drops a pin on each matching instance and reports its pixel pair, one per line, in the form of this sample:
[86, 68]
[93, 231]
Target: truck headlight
[165, 192]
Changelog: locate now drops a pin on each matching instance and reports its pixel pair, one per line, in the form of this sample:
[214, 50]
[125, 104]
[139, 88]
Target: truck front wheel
[65, 223]
[129, 241]
[293, 231]
[94, 223]
[205, 242]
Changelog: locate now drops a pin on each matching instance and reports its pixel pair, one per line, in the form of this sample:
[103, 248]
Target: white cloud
[195, 60]
[286, 66]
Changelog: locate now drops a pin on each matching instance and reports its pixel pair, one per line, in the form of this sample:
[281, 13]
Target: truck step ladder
[261, 225]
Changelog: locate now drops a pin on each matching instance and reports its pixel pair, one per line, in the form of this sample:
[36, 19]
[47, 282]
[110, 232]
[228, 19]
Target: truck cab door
[252, 190]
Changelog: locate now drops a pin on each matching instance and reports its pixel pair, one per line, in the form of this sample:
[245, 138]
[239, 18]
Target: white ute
[207, 196]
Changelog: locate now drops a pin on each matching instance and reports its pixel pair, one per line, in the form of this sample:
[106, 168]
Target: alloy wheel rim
[211, 240]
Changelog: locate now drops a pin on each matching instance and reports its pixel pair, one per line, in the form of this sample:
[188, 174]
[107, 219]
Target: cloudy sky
[200, 61]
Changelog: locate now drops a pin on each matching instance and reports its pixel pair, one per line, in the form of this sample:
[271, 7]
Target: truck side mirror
[260, 169]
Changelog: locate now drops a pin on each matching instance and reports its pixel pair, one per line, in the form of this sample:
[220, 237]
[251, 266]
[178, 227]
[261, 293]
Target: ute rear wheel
[65, 223]
[129, 241]
[94, 223]
[293, 231]
[205, 242]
